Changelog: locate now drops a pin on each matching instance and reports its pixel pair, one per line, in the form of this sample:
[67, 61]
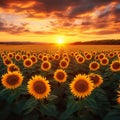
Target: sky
[53, 20]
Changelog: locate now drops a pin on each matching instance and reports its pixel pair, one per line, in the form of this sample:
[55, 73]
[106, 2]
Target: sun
[60, 41]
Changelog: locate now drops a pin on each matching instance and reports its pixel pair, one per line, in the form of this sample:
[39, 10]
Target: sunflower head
[80, 59]
[88, 56]
[104, 61]
[12, 80]
[17, 57]
[24, 57]
[7, 61]
[40, 56]
[118, 97]
[96, 79]
[115, 66]
[27, 62]
[12, 67]
[46, 65]
[39, 87]
[81, 86]
[33, 58]
[63, 64]
[45, 58]
[94, 66]
[101, 56]
[60, 75]
[10, 55]
[57, 56]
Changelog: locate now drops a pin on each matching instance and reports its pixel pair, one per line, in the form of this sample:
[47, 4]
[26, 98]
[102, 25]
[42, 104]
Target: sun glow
[60, 41]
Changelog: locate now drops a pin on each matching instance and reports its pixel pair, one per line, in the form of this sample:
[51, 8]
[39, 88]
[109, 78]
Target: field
[53, 82]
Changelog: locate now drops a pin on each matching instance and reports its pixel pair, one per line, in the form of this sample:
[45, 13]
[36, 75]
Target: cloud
[98, 15]
[13, 29]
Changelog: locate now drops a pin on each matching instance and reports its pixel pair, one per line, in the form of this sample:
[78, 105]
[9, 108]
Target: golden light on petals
[28, 62]
[12, 80]
[115, 66]
[94, 66]
[81, 86]
[63, 64]
[96, 79]
[39, 87]
[12, 67]
[104, 61]
[46, 65]
[7, 61]
[60, 75]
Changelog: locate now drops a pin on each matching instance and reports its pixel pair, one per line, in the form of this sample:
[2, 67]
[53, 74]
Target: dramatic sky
[50, 20]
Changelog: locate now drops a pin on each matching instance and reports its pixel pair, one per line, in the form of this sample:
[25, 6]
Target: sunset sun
[60, 41]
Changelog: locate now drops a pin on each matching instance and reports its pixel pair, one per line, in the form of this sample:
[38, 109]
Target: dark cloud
[13, 29]
[106, 32]
[65, 13]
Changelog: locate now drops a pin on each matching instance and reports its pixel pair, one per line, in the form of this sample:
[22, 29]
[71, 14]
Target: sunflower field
[59, 84]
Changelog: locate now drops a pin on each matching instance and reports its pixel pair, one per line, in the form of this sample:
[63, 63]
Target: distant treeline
[93, 42]
[98, 42]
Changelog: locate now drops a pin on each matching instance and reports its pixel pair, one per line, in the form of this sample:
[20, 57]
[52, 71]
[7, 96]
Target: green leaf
[30, 105]
[48, 109]
[52, 97]
[113, 115]
[72, 106]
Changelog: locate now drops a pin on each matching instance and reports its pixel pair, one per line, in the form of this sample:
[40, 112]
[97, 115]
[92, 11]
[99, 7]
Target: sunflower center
[45, 59]
[45, 65]
[88, 56]
[104, 61]
[63, 63]
[7, 61]
[33, 59]
[94, 65]
[116, 65]
[95, 79]
[28, 62]
[60, 75]
[17, 57]
[81, 86]
[80, 59]
[101, 56]
[12, 79]
[39, 87]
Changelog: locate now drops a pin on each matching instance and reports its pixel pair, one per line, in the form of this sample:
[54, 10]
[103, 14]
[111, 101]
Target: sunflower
[33, 58]
[81, 86]
[7, 61]
[81, 60]
[46, 65]
[18, 57]
[12, 67]
[111, 54]
[104, 61]
[27, 62]
[10, 55]
[96, 79]
[63, 64]
[40, 56]
[118, 97]
[101, 56]
[12, 80]
[39, 87]
[24, 57]
[45, 58]
[115, 66]
[60, 75]
[57, 56]
[88, 56]
[96, 57]
[94, 66]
